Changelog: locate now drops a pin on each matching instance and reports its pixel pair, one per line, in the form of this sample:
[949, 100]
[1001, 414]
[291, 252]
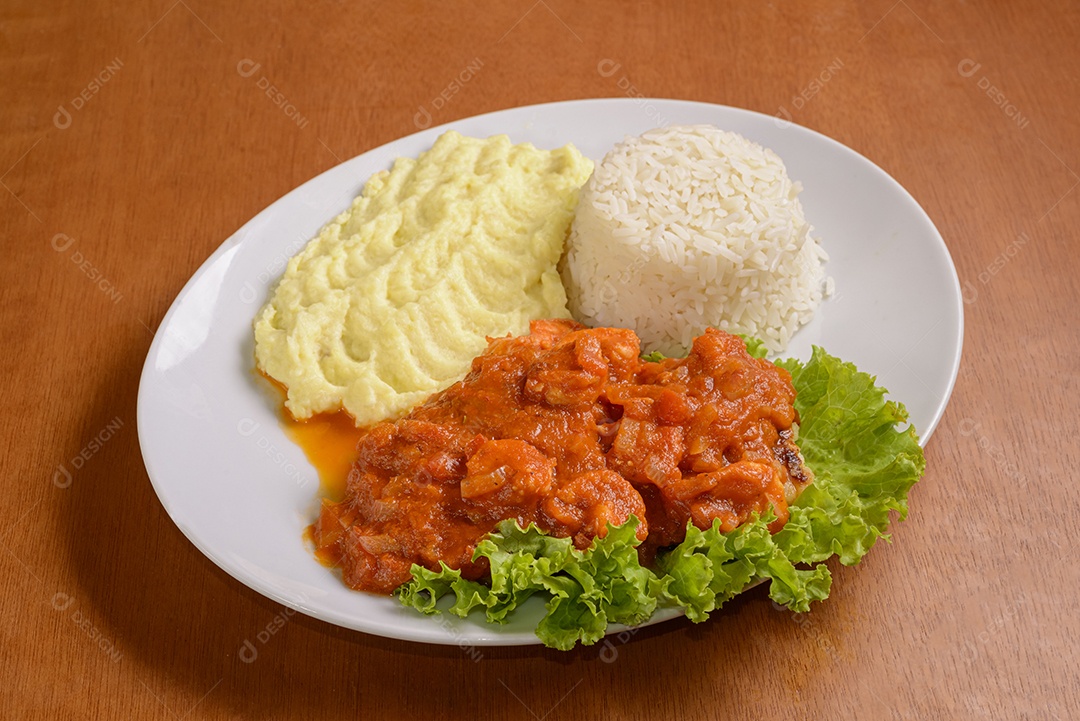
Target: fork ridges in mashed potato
[396, 296]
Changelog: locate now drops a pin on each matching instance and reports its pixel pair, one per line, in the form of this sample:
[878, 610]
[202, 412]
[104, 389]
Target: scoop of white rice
[688, 227]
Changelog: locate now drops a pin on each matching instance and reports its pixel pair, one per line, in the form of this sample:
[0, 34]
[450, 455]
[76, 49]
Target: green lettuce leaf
[587, 589]
[427, 587]
[754, 346]
[709, 568]
[864, 462]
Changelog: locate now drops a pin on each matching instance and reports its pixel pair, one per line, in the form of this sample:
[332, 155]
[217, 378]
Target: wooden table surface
[135, 137]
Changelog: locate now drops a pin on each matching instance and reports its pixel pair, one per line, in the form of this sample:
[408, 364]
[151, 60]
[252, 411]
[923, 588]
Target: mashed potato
[395, 297]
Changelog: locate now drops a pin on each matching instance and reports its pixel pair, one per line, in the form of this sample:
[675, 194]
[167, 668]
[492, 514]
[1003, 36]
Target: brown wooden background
[109, 612]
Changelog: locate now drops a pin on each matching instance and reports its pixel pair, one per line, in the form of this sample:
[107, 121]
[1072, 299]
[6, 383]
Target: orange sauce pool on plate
[329, 442]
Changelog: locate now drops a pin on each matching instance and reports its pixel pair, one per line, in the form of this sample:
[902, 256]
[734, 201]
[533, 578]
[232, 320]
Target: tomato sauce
[566, 428]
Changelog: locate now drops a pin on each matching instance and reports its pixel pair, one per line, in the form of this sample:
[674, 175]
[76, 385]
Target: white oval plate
[243, 493]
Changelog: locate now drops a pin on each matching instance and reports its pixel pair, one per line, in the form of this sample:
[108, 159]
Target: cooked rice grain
[688, 227]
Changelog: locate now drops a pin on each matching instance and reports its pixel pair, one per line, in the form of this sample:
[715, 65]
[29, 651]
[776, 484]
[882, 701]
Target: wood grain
[109, 612]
